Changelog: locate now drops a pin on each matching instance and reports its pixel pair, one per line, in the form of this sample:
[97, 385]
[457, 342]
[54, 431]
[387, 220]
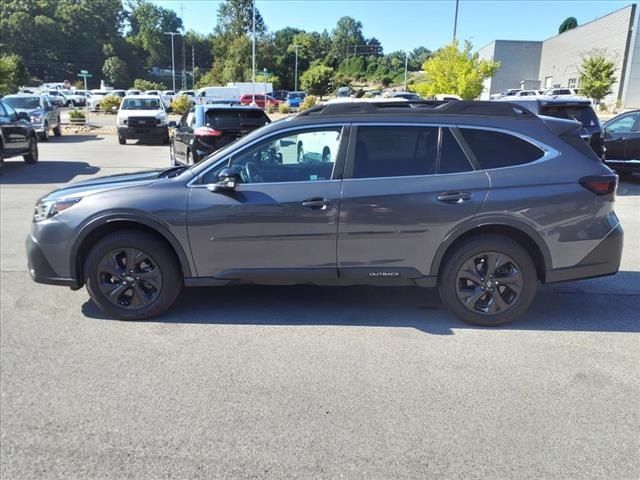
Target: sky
[406, 24]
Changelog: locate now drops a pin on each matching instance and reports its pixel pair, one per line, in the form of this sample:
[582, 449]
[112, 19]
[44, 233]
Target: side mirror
[228, 178]
[24, 116]
[173, 124]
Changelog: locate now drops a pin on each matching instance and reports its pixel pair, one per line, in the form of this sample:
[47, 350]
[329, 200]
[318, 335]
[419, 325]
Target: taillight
[207, 132]
[601, 184]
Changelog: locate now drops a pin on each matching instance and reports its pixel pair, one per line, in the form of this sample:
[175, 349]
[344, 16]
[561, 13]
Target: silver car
[483, 200]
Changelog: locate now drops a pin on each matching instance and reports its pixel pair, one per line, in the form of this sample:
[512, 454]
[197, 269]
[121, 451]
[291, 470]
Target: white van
[216, 94]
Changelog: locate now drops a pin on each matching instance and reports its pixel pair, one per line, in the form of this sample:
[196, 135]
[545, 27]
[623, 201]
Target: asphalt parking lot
[308, 382]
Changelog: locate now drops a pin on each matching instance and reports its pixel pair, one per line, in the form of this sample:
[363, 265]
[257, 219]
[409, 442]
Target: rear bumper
[143, 132]
[623, 165]
[602, 261]
[40, 269]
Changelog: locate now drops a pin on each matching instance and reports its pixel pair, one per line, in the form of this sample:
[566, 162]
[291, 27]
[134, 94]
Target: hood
[111, 182]
[30, 111]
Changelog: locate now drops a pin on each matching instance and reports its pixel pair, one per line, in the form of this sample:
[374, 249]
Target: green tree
[142, 84]
[597, 76]
[568, 24]
[13, 73]
[116, 72]
[455, 71]
[318, 80]
[346, 36]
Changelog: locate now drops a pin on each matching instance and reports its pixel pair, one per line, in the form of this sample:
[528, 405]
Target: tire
[149, 288]
[57, 131]
[69, 104]
[32, 156]
[44, 136]
[488, 303]
[122, 140]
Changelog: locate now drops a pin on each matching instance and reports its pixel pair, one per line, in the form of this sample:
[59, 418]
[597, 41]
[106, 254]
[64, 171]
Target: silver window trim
[342, 125]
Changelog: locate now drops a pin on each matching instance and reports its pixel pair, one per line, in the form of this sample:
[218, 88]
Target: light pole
[295, 80]
[455, 22]
[173, 60]
[253, 48]
[406, 65]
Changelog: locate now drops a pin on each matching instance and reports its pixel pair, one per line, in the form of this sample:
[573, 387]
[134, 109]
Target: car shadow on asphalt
[71, 138]
[629, 185]
[16, 172]
[569, 308]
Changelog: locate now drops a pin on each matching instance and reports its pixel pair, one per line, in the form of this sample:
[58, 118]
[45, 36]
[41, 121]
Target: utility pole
[184, 61]
[193, 67]
[173, 59]
[295, 80]
[253, 48]
[455, 22]
[406, 65]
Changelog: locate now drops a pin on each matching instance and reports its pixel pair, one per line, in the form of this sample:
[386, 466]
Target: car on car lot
[261, 100]
[207, 128]
[280, 95]
[95, 99]
[554, 92]
[17, 135]
[509, 92]
[142, 117]
[73, 99]
[405, 95]
[42, 115]
[570, 108]
[481, 199]
[294, 99]
[622, 142]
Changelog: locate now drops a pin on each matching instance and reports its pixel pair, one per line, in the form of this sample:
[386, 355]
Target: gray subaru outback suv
[481, 200]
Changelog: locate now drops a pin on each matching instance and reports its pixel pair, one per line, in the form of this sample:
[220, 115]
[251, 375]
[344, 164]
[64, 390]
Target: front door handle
[454, 198]
[316, 203]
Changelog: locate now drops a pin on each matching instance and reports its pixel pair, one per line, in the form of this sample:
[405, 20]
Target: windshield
[23, 102]
[141, 104]
[226, 119]
[583, 114]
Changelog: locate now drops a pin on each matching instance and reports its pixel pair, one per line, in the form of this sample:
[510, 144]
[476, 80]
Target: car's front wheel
[44, 136]
[488, 280]
[32, 154]
[132, 275]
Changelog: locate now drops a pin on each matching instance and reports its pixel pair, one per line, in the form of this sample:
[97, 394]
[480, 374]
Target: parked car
[72, 99]
[116, 93]
[132, 92]
[42, 115]
[622, 142]
[56, 100]
[17, 135]
[142, 117]
[261, 100]
[280, 95]
[553, 92]
[405, 95]
[570, 108]
[168, 96]
[527, 93]
[446, 97]
[294, 99]
[95, 99]
[207, 128]
[207, 95]
[509, 92]
[482, 199]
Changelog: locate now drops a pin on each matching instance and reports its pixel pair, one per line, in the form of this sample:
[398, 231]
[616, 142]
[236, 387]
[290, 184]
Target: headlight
[46, 210]
[35, 118]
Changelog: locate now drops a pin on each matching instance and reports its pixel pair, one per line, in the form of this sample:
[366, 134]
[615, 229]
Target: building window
[573, 83]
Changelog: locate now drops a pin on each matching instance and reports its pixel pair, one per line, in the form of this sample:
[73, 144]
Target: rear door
[15, 132]
[183, 135]
[405, 187]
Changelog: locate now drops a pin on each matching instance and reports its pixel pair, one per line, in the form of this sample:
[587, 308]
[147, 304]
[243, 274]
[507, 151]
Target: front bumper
[143, 132]
[602, 261]
[41, 270]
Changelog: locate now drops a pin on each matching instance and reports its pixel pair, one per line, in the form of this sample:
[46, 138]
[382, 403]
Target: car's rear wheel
[488, 281]
[131, 275]
[57, 131]
[32, 155]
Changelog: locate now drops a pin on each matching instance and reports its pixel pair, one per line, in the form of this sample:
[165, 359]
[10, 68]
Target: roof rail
[443, 107]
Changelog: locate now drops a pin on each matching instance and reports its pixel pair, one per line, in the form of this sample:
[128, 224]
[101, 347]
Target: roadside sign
[87, 75]
[84, 71]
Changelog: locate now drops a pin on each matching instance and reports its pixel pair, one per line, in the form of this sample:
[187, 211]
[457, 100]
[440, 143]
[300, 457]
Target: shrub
[107, 103]
[308, 102]
[141, 84]
[270, 108]
[181, 104]
[76, 114]
[283, 108]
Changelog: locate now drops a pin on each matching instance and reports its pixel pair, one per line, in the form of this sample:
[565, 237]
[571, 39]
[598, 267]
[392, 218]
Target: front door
[280, 223]
[401, 195]
[616, 135]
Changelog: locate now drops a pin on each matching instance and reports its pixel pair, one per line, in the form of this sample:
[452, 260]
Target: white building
[560, 57]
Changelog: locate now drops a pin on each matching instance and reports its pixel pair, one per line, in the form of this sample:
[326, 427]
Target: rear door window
[498, 149]
[228, 119]
[395, 151]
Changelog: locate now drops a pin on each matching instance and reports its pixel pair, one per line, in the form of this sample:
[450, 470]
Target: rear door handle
[317, 203]
[454, 198]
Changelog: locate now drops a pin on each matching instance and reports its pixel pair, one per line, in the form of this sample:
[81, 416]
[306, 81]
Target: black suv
[206, 128]
[481, 199]
[17, 135]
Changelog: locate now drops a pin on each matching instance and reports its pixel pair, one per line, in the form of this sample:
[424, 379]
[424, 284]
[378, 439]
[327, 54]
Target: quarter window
[395, 151]
[497, 149]
[305, 156]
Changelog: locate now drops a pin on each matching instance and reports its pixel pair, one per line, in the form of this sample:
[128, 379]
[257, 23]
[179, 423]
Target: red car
[260, 99]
